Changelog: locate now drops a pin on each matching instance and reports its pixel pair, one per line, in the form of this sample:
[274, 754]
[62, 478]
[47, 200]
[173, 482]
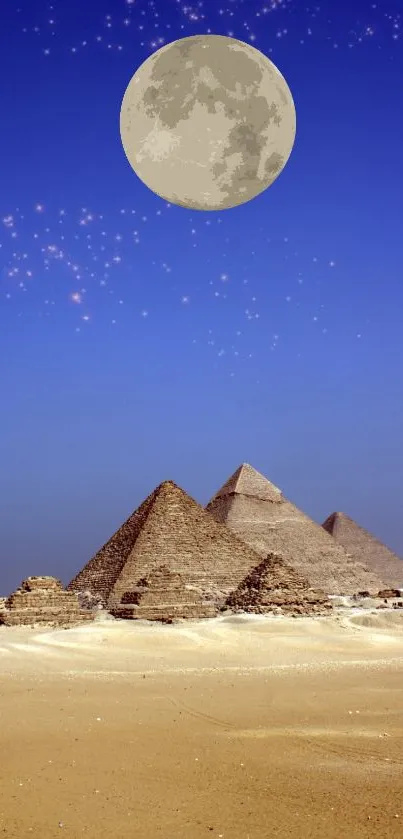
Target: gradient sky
[140, 341]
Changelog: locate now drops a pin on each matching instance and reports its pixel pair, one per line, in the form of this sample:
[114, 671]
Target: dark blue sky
[140, 341]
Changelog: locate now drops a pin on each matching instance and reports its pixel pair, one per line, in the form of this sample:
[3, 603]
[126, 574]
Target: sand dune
[232, 642]
[385, 620]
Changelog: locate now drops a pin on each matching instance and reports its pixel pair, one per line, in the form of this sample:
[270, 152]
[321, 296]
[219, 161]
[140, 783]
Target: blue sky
[141, 342]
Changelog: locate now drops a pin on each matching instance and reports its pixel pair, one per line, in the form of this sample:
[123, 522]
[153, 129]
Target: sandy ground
[239, 727]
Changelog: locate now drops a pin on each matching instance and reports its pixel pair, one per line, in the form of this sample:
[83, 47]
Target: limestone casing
[258, 512]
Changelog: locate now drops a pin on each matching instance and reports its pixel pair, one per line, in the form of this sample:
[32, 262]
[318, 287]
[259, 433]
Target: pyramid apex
[331, 522]
[246, 480]
[168, 486]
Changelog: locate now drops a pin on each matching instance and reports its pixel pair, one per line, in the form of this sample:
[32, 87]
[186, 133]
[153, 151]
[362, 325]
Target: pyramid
[170, 531]
[272, 586]
[258, 513]
[163, 595]
[365, 547]
[42, 600]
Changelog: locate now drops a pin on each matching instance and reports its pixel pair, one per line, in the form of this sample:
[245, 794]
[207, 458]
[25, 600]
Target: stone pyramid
[42, 600]
[258, 513]
[172, 534]
[170, 559]
[163, 595]
[272, 586]
[364, 546]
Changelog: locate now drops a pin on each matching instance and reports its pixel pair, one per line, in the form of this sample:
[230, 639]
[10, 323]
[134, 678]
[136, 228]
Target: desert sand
[235, 728]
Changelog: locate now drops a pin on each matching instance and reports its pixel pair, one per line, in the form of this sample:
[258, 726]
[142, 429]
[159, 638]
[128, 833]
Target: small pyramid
[42, 600]
[258, 512]
[365, 547]
[272, 586]
[163, 595]
[172, 531]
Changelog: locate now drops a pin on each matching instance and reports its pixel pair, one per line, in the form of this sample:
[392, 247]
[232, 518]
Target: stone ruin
[42, 600]
[162, 595]
[273, 587]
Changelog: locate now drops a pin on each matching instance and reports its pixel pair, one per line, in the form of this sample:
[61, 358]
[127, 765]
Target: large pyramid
[364, 546]
[169, 559]
[258, 513]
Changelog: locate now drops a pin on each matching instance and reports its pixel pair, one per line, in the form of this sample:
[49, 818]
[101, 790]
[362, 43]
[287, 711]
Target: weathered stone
[364, 546]
[87, 600]
[273, 586]
[389, 592]
[163, 595]
[258, 513]
[42, 600]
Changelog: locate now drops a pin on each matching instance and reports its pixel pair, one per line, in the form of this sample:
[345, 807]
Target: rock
[389, 592]
[87, 600]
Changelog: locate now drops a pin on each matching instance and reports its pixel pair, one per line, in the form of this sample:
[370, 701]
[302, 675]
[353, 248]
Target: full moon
[207, 122]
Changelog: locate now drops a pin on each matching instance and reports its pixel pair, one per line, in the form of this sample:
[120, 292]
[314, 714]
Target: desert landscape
[234, 671]
[236, 727]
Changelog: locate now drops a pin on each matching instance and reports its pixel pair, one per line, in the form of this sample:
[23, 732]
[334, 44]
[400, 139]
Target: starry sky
[141, 341]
